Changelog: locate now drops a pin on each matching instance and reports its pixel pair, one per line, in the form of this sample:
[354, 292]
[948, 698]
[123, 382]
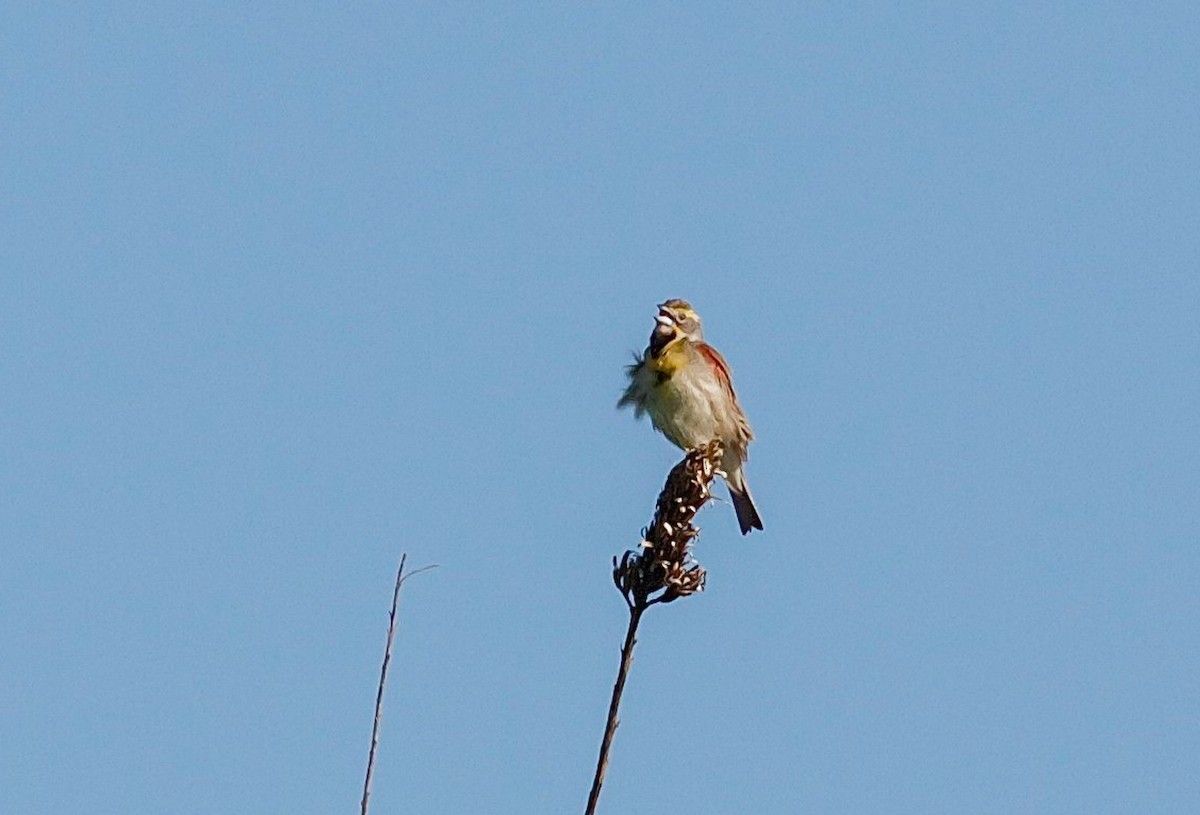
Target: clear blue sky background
[288, 290]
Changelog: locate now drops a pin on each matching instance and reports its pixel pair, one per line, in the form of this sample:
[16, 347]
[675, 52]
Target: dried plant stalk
[383, 673]
[660, 571]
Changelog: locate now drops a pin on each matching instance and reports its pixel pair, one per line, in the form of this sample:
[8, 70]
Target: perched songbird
[684, 384]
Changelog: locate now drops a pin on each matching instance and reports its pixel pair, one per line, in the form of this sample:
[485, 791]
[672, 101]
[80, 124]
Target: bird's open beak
[665, 331]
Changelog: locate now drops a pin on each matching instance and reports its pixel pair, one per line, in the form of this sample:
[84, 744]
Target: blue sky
[285, 292]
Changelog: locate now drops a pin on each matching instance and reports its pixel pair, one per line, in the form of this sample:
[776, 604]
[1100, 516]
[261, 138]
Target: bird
[685, 386]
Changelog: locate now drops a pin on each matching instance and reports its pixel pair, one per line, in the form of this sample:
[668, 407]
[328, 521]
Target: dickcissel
[685, 386]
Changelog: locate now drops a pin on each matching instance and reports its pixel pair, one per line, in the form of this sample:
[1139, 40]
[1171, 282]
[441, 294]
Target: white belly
[691, 410]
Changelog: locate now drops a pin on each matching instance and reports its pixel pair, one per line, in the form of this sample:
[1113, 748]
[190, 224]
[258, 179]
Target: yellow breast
[670, 360]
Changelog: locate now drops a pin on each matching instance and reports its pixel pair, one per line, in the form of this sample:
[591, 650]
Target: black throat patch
[660, 338]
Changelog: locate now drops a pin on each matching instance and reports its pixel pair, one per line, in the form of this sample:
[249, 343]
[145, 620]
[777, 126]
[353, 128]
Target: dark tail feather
[743, 505]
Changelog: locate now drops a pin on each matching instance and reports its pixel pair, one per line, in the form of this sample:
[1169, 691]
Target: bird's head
[679, 316]
[676, 320]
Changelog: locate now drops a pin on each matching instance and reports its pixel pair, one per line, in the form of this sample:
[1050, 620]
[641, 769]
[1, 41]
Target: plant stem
[610, 728]
[387, 657]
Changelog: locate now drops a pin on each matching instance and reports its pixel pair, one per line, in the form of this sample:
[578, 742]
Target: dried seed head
[664, 569]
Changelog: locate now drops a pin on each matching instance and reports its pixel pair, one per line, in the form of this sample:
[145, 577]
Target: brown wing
[719, 365]
[722, 370]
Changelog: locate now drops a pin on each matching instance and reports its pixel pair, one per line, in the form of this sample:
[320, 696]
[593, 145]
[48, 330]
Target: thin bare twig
[383, 671]
[610, 727]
